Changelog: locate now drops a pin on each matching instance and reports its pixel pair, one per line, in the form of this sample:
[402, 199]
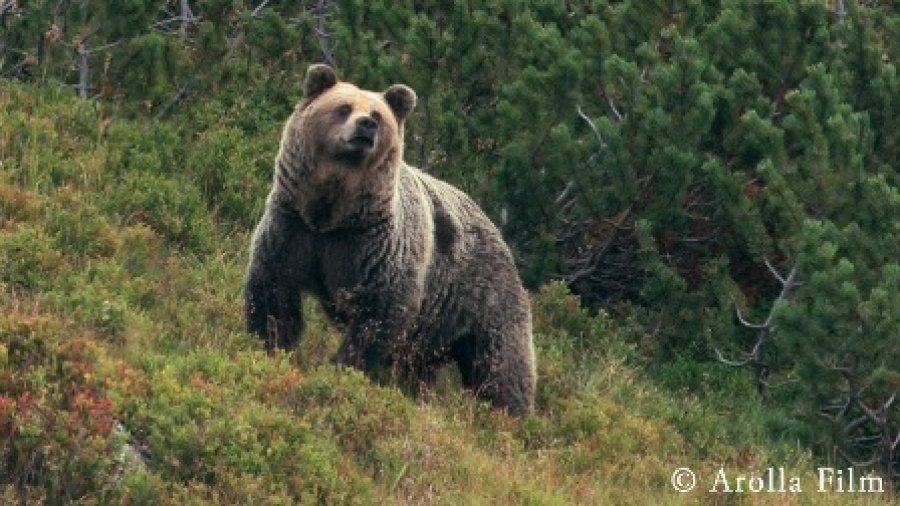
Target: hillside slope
[121, 257]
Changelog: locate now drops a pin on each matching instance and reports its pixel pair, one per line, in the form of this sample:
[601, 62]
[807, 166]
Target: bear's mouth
[362, 141]
[354, 150]
[355, 147]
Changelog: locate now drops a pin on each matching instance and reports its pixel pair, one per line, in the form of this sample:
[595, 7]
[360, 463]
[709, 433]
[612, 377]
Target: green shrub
[16, 204]
[78, 227]
[172, 207]
[233, 172]
[30, 258]
[56, 420]
[361, 417]
[198, 430]
[157, 150]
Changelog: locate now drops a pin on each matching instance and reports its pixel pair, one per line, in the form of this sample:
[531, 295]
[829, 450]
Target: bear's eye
[376, 116]
[344, 110]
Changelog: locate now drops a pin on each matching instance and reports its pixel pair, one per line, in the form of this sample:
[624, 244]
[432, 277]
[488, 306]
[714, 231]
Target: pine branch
[586, 269]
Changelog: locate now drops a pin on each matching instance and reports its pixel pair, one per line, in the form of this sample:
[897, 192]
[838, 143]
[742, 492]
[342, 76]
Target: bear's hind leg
[464, 353]
[498, 372]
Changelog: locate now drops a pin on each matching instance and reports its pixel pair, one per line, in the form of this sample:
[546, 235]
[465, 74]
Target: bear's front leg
[272, 291]
[272, 309]
[378, 331]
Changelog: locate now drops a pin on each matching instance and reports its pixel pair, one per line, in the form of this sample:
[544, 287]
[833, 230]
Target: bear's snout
[365, 130]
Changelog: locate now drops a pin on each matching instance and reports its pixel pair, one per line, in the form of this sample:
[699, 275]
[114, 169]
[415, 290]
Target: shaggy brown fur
[411, 268]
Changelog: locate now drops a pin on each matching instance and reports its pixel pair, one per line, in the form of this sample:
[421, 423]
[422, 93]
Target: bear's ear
[319, 78]
[402, 100]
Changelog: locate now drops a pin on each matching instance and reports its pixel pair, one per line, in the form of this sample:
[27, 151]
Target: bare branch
[745, 323]
[756, 356]
[164, 23]
[564, 209]
[695, 240]
[840, 10]
[890, 402]
[869, 412]
[773, 271]
[6, 5]
[840, 407]
[846, 371]
[325, 42]
[732, 363]
[597, 256]
[861, 463]
[864, 441]
[612, 106]
[591, 124]
[187, 19]
[258, 10]
[176, 99]
[563, 195]
[855, 424]
[84, 72]
[101, 48]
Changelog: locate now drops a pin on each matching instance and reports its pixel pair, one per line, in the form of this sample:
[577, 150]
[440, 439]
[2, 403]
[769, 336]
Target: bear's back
[471, 265]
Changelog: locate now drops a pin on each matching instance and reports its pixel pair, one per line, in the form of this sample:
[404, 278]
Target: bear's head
[342, 149]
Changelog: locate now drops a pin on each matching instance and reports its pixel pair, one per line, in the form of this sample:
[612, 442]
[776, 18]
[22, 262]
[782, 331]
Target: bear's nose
[367, 124]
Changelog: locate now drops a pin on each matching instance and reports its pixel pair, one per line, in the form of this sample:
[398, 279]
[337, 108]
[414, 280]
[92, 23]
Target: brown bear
[409, 266]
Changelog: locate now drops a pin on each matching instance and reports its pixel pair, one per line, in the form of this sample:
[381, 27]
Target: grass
[122, 249]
